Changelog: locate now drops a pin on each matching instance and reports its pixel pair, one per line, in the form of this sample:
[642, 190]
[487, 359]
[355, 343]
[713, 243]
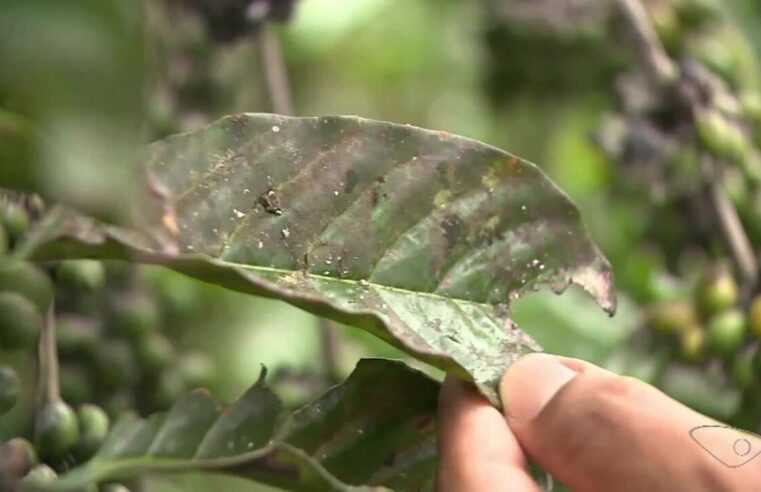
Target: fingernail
[530, 383]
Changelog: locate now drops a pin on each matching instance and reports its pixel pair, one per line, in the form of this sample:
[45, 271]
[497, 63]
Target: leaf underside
[420, 237]
[376, 429]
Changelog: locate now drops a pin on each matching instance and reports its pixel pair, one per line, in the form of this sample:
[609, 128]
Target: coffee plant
[421, 238]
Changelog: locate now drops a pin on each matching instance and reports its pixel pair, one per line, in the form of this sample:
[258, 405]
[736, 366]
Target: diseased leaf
[420, 237]
[376, 429]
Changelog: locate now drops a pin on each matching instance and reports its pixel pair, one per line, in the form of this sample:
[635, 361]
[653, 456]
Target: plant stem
[275, 71]
[48, 389]
[731, 226]
[661, 69]
[329, 344]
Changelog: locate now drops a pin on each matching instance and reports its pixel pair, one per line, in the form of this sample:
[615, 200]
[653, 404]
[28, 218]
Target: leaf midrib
[355, 283]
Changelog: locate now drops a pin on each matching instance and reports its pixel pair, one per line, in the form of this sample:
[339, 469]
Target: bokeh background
[82, 83]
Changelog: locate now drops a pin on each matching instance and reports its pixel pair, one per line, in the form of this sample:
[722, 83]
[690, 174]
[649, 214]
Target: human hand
[591, 429]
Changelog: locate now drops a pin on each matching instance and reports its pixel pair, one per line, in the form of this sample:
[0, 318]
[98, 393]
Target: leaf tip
[597, 281]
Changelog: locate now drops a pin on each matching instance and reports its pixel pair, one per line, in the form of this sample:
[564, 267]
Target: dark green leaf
[420, 237]
[375, 429]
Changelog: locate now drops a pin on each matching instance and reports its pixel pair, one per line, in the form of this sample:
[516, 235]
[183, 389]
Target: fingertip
[476, 446]
[529, 384]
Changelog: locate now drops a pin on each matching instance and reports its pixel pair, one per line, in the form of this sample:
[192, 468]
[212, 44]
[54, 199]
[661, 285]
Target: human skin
[590, 429]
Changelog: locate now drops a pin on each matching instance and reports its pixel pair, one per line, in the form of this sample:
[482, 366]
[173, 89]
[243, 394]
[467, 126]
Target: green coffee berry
[666, 23]
[716, 292]
[119, 403]
[77, 335]
[75, 385]
[134, 316]
[168, 388]
[9, 388]
[56, 430]
[154, 352]
[17, 457]
[726, 332]
[27, 280]
[14, 219]
[671, 316]
[750, 102]
[114, 487]
[692, 344]
[697, 13]
[720, 137]
[81, 275]
[20, 321]
[744, 370]
[197, 369]
[115, 365]
[41, 473]
[93, 428]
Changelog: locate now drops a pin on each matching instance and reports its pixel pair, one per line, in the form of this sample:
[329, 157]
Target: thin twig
[48, 389]
[275, 72]
[729, 220]
[661, 69]
[663, 72]
[329, 343]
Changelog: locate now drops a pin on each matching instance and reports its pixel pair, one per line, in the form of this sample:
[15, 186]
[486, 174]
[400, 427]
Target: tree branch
[731, 226]
[660, 68]
[275, 73]
[329, 341]
[48, 389]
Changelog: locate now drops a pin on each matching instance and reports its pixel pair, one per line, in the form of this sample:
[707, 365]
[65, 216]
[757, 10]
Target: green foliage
[53, 135]
[256, 438]
[423, 280]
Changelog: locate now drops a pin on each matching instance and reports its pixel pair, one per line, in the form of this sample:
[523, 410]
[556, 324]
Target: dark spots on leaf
[350, 180]
[270, 202]
[453, 338]
[377, 192]
[446, 173]
[453, 227]
[238, 126]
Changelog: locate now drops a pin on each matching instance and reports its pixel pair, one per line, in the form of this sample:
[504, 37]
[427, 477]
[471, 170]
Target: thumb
[594, 430]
